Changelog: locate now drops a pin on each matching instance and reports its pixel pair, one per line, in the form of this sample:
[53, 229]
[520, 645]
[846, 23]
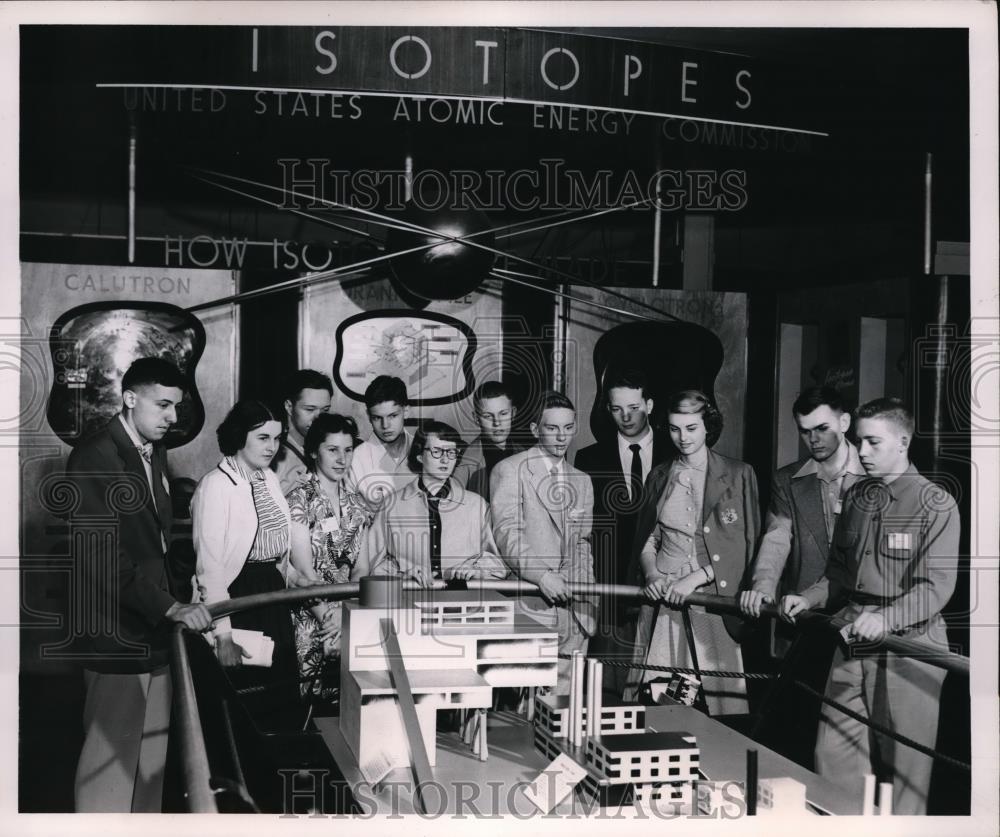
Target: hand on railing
[792, 606]
[424, 579]
[869, 627]
[679, 589]
[554, 588]
[193, 616]
[751, 602]
[656, 588]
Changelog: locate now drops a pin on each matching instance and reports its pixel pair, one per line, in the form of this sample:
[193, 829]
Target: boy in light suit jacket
[542, 516]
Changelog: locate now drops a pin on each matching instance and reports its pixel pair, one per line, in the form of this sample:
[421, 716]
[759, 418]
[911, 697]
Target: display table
[723, 757]
[466, 785]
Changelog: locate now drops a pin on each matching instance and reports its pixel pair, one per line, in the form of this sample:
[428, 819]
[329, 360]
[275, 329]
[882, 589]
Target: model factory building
[625, 761]
[455, 647]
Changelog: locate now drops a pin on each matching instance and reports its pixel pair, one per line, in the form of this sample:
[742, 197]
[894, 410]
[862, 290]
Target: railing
[715, 604]
[194, 757]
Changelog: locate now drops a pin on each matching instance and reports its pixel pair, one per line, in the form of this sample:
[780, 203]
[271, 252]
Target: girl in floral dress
[327, 529]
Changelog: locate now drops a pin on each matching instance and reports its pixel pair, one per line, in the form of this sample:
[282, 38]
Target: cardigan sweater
[224, 521]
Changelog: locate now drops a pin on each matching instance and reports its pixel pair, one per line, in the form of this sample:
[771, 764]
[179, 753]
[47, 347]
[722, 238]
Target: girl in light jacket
[696, 531]
[432, 528]
[241, 529]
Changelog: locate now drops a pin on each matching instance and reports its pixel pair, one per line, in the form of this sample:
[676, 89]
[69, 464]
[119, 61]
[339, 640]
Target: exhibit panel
[356, 329]
[671, 350]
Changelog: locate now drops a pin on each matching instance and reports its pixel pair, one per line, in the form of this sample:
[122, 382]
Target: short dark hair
[626, 379]
[386, 388]
[431, 427]
[890, 409]
[814, 397]
[306, 379]
[323, 425]
[148, 371]
[247, 414]
[695, 401]
[491, 389]
[551, 400]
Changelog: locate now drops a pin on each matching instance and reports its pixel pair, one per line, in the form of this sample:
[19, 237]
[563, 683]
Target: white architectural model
[625, 761]
[780, 796]
[456, 646]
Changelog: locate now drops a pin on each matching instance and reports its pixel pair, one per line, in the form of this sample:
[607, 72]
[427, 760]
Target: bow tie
[146, 451]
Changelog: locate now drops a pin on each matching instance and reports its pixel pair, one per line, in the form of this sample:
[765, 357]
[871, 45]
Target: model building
[625, 761]
[456, 645]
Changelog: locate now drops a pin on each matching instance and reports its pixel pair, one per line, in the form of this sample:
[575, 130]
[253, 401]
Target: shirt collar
[681, 462]
[131, 433]
[443, 492]
[902, 482]
[549, 462]
[852, 466]
[380, 447]
[249, 476]
[643, 441]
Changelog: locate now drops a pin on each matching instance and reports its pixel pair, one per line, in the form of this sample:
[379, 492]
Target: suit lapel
[718, 477]
[806, 492]
[612, 466]
[132, 463]
[543, 483]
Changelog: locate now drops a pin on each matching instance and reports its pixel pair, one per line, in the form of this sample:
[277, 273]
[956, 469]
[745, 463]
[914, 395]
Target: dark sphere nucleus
[448, 270]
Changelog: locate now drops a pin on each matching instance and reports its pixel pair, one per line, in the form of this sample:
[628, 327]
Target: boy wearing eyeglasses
[433, 528]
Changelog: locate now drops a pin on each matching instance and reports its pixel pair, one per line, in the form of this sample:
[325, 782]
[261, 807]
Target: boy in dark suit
[120, 475]
[618, 466]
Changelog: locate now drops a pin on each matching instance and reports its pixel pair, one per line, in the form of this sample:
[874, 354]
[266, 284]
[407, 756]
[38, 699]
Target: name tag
[898, 546]
[898, 540]
[837, 509]
[331, 524]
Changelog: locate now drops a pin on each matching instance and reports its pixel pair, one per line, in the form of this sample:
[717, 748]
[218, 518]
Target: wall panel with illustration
[357, 329]
[680, 339]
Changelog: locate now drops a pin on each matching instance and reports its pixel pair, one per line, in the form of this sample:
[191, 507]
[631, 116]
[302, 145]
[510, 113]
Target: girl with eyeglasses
[433, 528]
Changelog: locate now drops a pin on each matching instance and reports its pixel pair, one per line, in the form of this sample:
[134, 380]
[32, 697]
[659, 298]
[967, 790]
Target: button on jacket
[730, 524]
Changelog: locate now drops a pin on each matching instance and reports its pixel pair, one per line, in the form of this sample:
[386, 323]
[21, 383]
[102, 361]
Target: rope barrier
[700, 672]
[902, 739]
[750, 675]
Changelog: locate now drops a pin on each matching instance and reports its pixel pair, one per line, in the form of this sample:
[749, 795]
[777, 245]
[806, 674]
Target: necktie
[635, 480]
[434, 514]
[146, 452]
